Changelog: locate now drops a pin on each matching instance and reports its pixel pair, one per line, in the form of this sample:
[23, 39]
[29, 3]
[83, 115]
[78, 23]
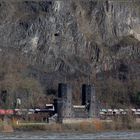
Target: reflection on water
[45, 135]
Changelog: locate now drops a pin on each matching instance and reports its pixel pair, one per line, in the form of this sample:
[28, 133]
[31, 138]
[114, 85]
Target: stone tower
[88, 99]
[65, 94]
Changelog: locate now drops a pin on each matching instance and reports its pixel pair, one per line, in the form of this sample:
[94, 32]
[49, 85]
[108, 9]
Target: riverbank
[74, 125]
[94, 125]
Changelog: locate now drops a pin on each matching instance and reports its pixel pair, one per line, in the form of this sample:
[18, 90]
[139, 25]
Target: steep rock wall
[65, 40]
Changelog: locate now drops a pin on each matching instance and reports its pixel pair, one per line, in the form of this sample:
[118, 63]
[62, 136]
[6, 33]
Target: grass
[96, 125]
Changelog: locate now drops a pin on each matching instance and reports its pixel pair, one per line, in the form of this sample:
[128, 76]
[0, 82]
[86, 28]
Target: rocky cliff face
[66, 40]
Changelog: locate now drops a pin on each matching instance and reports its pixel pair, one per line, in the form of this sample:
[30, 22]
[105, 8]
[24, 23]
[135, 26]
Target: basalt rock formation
[71, 40]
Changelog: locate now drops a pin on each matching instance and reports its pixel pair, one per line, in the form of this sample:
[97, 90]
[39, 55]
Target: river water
[95, 136]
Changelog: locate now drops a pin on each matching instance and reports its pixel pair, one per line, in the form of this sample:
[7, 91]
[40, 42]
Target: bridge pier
[89, 100]
[64, 102]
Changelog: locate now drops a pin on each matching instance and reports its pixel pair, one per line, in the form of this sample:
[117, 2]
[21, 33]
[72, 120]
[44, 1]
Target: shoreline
[86, 127]
[74, 125]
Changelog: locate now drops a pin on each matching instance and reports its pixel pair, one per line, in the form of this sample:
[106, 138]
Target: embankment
[94, 125]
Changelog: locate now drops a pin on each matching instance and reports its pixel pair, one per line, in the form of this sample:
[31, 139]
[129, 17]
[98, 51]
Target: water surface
[95, 136]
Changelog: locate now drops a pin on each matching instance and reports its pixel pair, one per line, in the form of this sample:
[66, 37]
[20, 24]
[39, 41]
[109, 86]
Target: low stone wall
[77, 120]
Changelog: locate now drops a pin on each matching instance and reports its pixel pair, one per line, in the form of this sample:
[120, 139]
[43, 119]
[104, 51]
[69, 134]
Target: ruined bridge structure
[66, 110]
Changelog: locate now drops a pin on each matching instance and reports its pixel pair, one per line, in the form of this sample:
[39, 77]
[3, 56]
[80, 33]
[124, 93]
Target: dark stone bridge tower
[88, 99]
[65, 95]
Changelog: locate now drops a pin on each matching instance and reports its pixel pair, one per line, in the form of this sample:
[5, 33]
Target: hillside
[43, 43]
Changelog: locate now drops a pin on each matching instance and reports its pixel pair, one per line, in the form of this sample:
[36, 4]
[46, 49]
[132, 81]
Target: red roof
[6, 112]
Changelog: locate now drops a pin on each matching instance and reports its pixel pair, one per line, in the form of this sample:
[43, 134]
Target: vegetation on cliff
[47, 42]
